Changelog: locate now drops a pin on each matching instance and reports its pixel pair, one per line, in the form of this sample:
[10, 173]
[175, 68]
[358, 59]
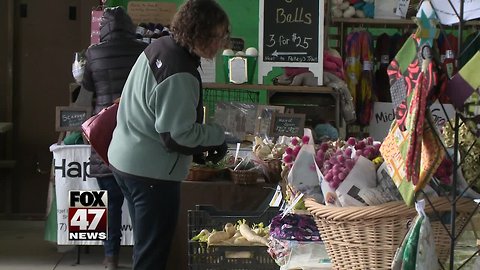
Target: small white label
[385, 59]
[158, 63]
[367, 65]
[140, 30]
[449, 54]
[351, 60]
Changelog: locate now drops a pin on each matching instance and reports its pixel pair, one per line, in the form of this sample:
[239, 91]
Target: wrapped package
[329, 194]
[303, 176]
[362, 176]
[292, 254]
[294, 227]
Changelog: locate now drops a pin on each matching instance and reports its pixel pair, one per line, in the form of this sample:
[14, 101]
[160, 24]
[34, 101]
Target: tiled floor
[22, 247]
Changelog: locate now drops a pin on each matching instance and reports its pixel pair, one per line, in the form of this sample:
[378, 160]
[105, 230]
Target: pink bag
[98, 130]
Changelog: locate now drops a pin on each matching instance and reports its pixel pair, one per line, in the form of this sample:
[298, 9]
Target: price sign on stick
[71, 118]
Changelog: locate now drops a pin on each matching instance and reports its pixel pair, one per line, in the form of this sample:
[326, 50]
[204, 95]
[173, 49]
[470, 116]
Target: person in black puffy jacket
[108, 64]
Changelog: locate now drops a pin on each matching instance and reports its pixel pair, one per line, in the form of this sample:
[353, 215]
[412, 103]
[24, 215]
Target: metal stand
[79, 251]
[456, 149]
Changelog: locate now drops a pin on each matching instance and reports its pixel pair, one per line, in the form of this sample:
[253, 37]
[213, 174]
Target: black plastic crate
[202, 257]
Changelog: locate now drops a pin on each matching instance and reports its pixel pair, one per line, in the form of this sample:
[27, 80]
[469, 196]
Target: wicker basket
[274, 169]
[367, 237]
[202, 173]
[243, 177]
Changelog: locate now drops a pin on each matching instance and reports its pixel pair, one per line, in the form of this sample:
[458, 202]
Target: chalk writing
[71, 118]
[287, 124]
[290, 31]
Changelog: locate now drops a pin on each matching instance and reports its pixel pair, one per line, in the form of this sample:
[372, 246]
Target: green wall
[244, 21]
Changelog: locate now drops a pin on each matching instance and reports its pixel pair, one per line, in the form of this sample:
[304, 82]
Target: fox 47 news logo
[87, 215]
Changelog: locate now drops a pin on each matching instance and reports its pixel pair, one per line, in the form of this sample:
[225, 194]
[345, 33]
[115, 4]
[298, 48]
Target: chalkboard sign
[287, 124]
[291, 35]
[290, 31]
[71, 118]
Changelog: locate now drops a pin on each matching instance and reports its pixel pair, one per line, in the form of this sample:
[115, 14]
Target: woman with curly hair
[160, 127]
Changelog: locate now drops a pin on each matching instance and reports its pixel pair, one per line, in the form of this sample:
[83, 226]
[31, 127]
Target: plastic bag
[417, 251]
[410, 253]
[294, 227]
[291, 254]
[426, 255]
[238, 119]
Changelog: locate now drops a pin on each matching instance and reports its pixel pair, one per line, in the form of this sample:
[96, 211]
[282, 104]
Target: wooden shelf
[302, 92]
[368, 21]
[274, 88]
[373, 21]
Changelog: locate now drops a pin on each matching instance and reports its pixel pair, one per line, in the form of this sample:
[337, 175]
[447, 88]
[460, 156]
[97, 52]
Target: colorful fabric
[395, 161]
[464, 91]
[411, 150]
[365, 86]
[464, 83]
[353, 66]
[432, 155]
[396, 70]
[426, 21]
[333, 63]
[359, 73]
[419, 77]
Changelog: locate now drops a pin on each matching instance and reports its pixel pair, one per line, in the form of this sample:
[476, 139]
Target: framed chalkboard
[289, 124]
[290, 31]
[71, 118]
[291, 35]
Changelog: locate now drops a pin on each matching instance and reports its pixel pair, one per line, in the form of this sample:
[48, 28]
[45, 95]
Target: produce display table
[221, 193]
[224, 195]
